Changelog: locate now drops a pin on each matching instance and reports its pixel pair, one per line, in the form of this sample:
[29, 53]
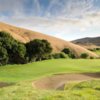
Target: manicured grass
[16, 73]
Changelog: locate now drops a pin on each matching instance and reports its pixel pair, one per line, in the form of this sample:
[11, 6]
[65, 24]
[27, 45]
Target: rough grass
[88, 90]
[16, 73]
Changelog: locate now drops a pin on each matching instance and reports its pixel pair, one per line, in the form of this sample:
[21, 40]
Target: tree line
[14, 52]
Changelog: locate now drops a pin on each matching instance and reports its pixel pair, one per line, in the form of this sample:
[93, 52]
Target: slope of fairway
[13, 73]
[24, 36]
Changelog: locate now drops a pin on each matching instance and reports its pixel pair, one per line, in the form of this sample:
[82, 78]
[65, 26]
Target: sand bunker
[58, 81]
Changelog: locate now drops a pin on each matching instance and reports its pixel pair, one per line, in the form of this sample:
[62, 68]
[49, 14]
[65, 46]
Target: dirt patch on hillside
[4, 84]
[58, 81]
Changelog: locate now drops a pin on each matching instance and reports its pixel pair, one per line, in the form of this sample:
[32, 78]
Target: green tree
[6, 40]
[3, 56]
[38, 49]
[18, 53]
[16, 50]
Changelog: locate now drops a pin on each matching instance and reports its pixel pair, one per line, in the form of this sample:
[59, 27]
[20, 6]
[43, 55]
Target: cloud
[13, 6]
[69, 8]
[56, 8]
[59, 18]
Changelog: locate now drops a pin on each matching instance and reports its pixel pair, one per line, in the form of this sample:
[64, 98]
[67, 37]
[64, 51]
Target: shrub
[91, 57]
[97, 48]
[59, 55]
[66, 51]
[71, 55]
[47, 57]
[63, 55]
[56, 55]
[84, 55]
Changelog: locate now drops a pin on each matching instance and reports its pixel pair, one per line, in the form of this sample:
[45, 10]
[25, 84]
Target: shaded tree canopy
[84, 55]
[3, 56]
[37, 49]
[16, 51]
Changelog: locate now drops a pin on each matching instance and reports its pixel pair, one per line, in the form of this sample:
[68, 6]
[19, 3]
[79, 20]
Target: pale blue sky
[66, 19]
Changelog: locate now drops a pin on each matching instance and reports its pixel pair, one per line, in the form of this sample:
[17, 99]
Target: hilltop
[88, 42]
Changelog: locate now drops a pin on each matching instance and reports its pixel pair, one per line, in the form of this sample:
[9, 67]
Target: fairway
[19, 79]
[31, 71]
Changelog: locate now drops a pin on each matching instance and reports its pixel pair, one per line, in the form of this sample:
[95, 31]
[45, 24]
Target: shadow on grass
[94, 75]
[4, 84]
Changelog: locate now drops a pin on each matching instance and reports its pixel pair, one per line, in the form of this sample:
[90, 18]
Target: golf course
[49, 49]
[17, 81]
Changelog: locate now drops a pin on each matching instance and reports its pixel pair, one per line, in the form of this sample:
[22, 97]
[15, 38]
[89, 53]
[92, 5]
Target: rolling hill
[88, 42]
[24, 36]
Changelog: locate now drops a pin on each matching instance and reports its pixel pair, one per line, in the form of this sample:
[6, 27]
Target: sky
[66, 19]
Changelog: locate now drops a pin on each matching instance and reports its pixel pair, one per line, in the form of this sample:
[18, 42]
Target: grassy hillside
[15, 73]
[24, 35]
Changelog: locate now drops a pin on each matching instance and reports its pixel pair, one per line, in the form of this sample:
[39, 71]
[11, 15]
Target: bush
[69, 53]
[84, 55]
[63, 55]
[47, 57]
[97, 48]
[91, 57]
[72, 56]
[59, 55]
[56, 55]
[66, 51]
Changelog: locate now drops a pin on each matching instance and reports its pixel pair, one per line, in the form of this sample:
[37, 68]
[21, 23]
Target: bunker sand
[58, 81]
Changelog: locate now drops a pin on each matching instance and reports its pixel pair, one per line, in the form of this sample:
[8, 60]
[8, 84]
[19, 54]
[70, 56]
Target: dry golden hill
[24, 35]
